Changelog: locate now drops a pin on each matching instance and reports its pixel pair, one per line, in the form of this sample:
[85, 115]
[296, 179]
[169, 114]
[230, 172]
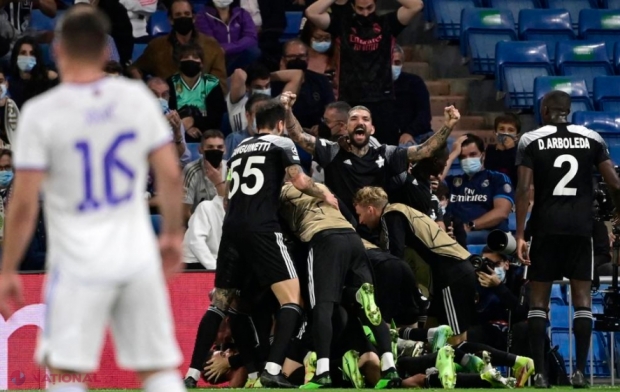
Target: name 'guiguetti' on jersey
[256, 171]
[562, 158]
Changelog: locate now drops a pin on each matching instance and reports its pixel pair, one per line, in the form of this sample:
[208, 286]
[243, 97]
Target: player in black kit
[252, 241]
[558, 160]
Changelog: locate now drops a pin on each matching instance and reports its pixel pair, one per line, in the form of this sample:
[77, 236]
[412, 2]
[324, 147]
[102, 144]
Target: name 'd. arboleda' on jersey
[563, 143]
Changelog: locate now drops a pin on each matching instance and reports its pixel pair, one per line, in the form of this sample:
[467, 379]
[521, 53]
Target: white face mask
[222, 3]
[266, 91]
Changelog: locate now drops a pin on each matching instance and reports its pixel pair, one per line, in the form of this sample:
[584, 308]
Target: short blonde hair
[371, 196]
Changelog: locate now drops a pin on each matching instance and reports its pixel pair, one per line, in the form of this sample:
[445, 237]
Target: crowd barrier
[189, 297]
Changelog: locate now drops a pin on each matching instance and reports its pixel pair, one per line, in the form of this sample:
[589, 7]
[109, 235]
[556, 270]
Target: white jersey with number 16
[93, 140]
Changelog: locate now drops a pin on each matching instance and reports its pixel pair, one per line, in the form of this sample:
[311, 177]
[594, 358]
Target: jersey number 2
[111, 163]
[248, 171]
[561, 189]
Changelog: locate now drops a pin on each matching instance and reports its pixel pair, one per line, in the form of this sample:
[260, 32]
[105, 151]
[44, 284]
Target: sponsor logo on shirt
[469, 196]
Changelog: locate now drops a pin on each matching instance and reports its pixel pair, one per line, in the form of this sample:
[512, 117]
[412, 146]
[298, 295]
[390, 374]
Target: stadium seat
[601, 122]
[156, 222]
[548, 26]
[600, 25]
[610, 4]
[475, 249]
[448, 17]
[41, 22]
[573, 7]
[159, 24]
[293, 25]
[515, 6]
[617, 57]
[481, 29]
[559, 316]
[518, 64]
[138, 49]
[558, 296]
[193, 149]
[607, 93]
[585, 59]
[573, 85]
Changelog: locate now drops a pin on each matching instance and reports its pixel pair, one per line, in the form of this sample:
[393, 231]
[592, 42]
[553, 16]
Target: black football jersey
[256, 171]
[346, 173]
[563, 159]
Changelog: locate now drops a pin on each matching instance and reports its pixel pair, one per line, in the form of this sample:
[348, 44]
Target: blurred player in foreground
[88, 144]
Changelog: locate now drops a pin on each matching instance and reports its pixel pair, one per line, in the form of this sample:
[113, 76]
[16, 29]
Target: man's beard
[358, 130]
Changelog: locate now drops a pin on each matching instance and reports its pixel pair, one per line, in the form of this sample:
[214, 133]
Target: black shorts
[455, 305]
[263, 254]
[554, 257]
[337, 259]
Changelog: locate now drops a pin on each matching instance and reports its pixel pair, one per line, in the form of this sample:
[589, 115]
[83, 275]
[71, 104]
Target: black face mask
[183, 25]
[366, 21]
[190, 68]
[297, 64]
[214, 157]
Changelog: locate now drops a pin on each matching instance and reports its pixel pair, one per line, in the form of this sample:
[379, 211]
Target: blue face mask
[164, 105]
[502, 137]
[396, 70]
[501, 273]
[471, 166]
[3, 91]
[6, 176]
[266, 91]
[26, 63]
[321, 47]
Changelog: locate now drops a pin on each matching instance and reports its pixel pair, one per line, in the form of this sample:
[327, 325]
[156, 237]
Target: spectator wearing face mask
[413, 102]
[29, 76]
[233, 27]
[160, 58]
[197, 96]
[364, 41]
[256, 79]
[315, 92]
[9, 114]
[482, 199]
[501, 156]
[320, 50]
[6, 180]
[233, 140]
[161, 90]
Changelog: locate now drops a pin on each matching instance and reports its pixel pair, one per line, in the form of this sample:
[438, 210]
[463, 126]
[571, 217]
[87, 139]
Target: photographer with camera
[559, 160]
[498, 307]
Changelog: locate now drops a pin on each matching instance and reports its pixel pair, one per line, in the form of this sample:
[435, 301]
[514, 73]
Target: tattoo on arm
[309, 187]
[297, 134]
[222, 298]
[426, 149]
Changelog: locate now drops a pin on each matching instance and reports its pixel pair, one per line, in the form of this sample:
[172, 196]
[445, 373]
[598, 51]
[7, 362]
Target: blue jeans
[242, 60]
[478, 237]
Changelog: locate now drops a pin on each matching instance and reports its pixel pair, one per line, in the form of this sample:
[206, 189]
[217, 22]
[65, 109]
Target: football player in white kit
[88, 144]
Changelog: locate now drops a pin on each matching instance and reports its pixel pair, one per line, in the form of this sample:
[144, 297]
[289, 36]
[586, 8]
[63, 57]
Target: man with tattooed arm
[365, 164]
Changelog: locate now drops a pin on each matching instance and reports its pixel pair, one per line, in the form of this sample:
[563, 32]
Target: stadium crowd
[386, 293]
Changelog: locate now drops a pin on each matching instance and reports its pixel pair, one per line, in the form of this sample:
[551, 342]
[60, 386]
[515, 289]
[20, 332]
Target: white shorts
[78, 314]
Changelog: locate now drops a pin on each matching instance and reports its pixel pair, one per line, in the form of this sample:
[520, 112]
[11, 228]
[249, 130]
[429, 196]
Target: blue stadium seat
[448, 17]
[518, 65]
[515, 6]
[156, 222]
[548, 26]
[607, 93]
[558, 296]
[573, 7]
[138, 49]
[41, 22]
[601, 25]
[573, 85]
[293, 25]
[610, 5]
[193, 149]
[601, 122]
[559, 316]
[600, 355]
[585, 59]
[159, 24]
[481, 29]
[475, 249]
[617, 57]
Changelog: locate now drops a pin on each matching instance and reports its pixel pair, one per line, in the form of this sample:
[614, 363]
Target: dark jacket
[413, 105]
